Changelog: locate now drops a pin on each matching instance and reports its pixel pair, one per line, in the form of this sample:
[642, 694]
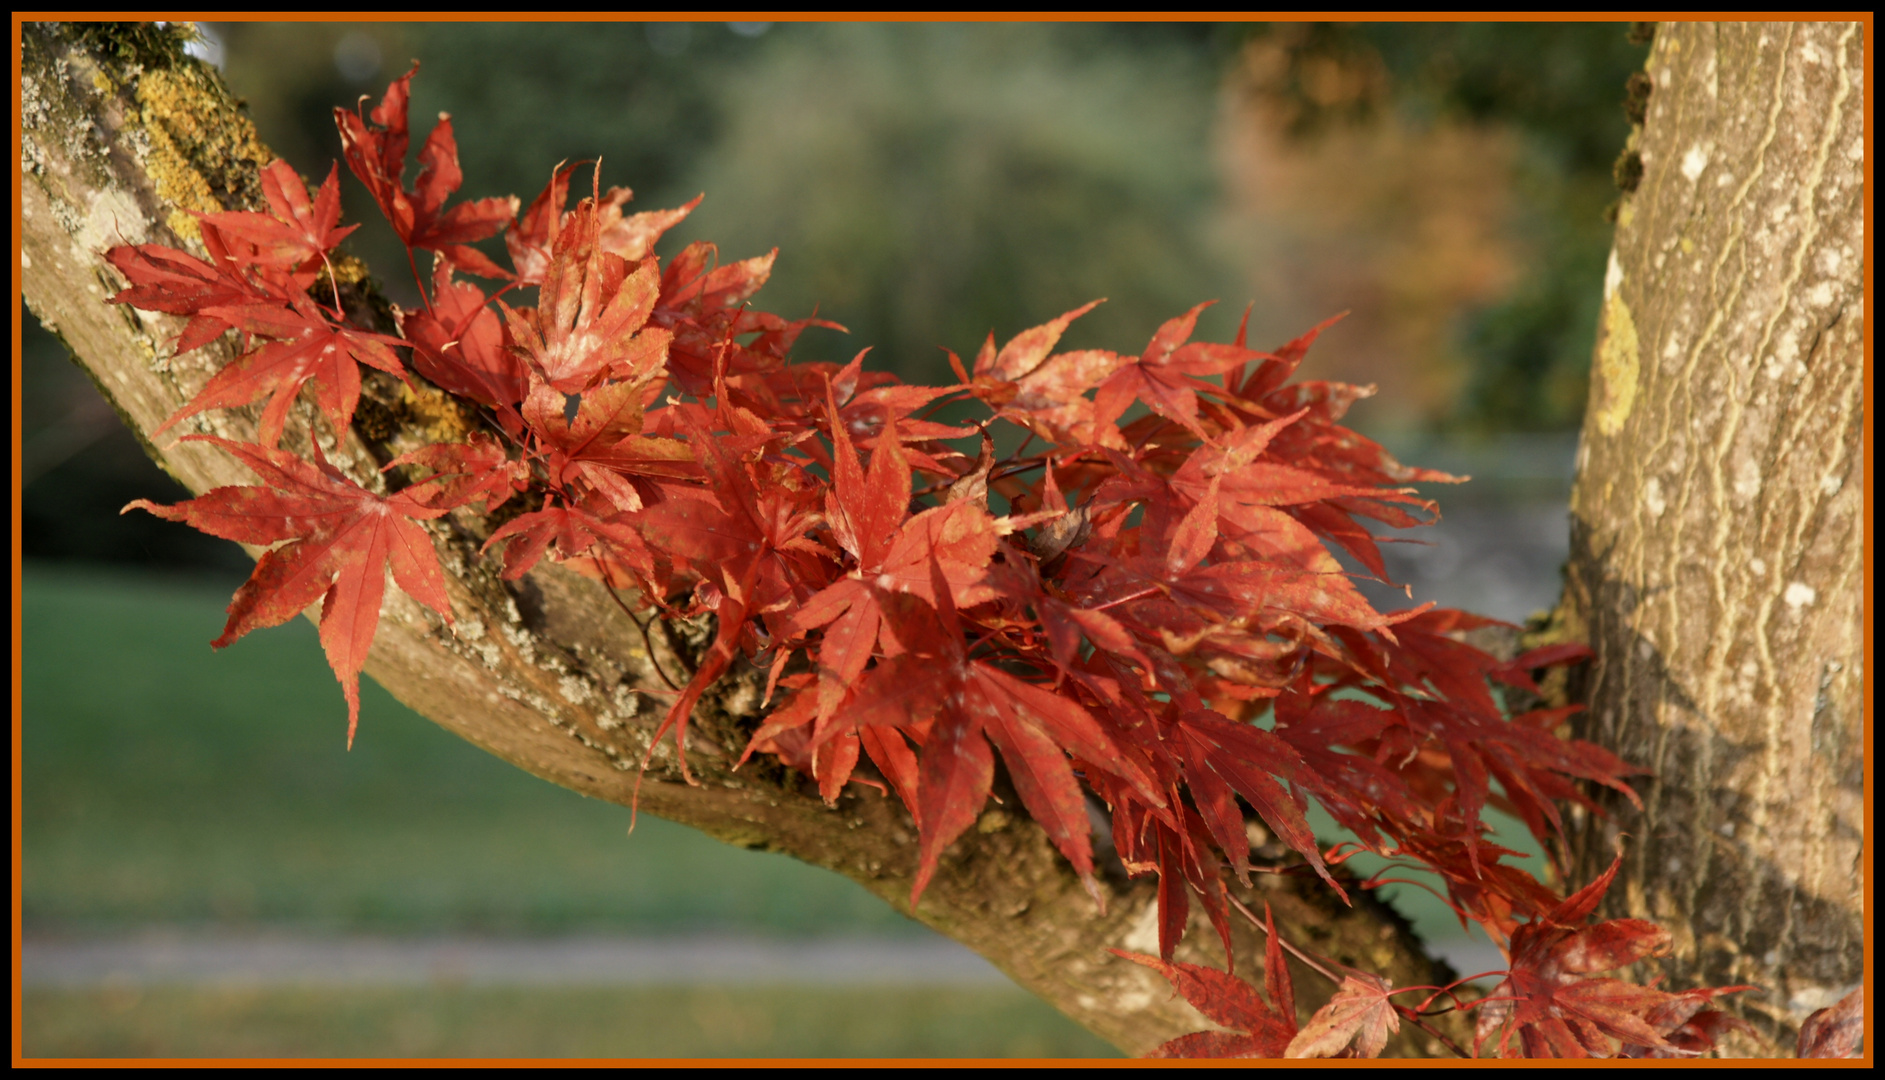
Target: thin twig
[1414, 1018]
[653, 660]
[1283, 941]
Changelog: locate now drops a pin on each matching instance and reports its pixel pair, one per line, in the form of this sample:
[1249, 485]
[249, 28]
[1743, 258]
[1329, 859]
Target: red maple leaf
[1274, 369]
[306, 348]
[342, 540]
[1167, 375]
[706, 307]
[476, 470]
[758, 520]
[869, 516]
[573, 530]
[165, 279]
[1022, 382]
[930, 677]
[1259, 1028]
[1837, 1031]
[378, 158]
[531, 239]
[295, 234]
[1556, 1011]
[1220, 757]
[632, 237]
[458, 343]
[601, 449]
[1355, 1023]
[589, 323]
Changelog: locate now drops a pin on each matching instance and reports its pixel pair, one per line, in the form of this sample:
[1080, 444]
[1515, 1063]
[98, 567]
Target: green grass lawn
[537, 1022]
[168, 783]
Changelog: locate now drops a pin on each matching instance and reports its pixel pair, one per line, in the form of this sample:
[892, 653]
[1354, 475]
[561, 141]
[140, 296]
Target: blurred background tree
[1449, 182]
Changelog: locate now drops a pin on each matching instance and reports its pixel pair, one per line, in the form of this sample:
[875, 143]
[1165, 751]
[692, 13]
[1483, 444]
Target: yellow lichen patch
[436, 416]
[202, 151]
[1618, 360]
[349, 270]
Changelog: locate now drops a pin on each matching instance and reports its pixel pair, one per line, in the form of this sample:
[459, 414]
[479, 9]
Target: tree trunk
[122, 136]
[1719, 516]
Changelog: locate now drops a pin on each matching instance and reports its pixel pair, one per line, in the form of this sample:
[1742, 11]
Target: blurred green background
[925, 184]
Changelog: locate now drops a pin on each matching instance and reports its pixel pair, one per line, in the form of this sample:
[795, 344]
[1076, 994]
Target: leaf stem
[413, 261]
[646, 643]
[1283, 941]
[1127, 599]
[1413, 1018]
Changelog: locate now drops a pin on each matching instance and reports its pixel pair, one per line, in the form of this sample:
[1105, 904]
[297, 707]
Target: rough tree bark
[122, 136]
[1720, 517]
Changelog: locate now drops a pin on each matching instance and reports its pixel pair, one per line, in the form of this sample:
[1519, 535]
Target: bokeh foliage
[1561, 88]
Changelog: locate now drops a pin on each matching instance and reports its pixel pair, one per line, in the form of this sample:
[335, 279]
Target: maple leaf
[1178, 589]
[477, 470]
[1047, 393]
[165, 279]
[307, 348]
[1558, 1012]
[1260, 1029]
[744, 527]
[1221, 756]
[532, 239]
[601, 448]
[378, 158]
[865, 408]
[1837, 1031]
[631, 237]
[1530, 761]
[972, 703]
[864, 513]
[458, 343]
[342, 540]
[1166, 375]
[1275, 368]
[705, 305]
[296, 233]
[1688, 1025]
[1356, 1022]
[573, 530]
[589, 321]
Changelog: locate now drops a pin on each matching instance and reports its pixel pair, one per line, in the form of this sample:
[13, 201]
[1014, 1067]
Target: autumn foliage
[1140, 604]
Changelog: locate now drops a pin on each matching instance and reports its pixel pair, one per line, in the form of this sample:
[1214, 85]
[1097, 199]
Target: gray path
[179, 959]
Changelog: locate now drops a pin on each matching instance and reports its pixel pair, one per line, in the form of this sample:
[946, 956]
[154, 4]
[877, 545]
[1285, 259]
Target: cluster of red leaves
[1150, 615]
[1546, 999]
